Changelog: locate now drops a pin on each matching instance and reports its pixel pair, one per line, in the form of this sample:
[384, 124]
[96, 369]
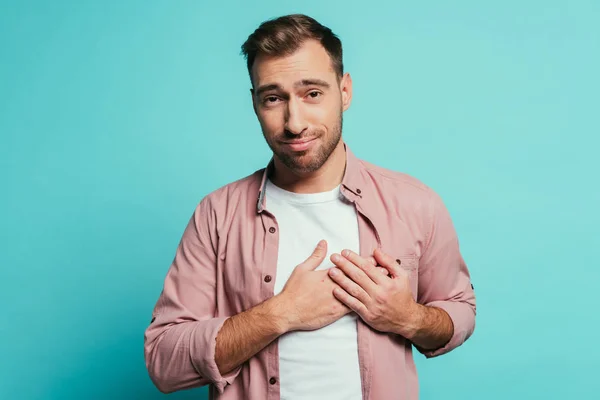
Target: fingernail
[333, 271]
[335, 258]
[346, 253]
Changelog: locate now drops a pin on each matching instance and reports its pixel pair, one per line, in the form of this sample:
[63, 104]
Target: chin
[305, 163]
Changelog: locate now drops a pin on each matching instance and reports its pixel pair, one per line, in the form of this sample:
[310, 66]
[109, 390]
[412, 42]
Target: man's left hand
[384, 302]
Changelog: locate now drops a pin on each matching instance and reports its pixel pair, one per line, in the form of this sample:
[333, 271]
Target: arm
[305, 303]
[186, 346]
[247, 333]
[445, 316]
[179, 344]
[430, 328]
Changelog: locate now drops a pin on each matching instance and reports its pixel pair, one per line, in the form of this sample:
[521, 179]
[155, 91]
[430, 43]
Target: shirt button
[272, 229]
[399, 261]
[273, 381]
[358, 191]
[268, 278]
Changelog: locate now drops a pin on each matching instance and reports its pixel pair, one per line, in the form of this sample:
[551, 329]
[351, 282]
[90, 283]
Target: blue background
[117, 117]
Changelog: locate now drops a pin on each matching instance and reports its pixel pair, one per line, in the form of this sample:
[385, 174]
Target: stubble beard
[312, 159]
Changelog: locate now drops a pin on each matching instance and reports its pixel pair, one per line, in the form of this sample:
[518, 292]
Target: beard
[313, 158]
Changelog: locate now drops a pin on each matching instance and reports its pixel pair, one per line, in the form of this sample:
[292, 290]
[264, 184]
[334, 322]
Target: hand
[385, 303]
[307, 297]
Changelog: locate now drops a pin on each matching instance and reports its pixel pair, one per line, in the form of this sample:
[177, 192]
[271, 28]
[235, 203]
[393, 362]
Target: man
[276, 290]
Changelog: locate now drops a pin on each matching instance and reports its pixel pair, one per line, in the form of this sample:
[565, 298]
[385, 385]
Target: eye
[315, 94]
[268, 100]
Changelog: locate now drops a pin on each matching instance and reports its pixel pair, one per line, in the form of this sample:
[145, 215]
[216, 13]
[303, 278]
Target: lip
[299, 145]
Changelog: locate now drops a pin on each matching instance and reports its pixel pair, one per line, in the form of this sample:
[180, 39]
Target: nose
[294, 119]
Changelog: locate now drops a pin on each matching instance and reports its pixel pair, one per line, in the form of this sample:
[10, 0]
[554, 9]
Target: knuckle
[381, 297]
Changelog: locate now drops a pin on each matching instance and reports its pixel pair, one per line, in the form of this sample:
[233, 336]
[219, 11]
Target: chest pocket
[410, 264]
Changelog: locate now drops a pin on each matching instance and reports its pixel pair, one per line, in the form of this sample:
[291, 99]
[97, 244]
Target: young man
[276, 290]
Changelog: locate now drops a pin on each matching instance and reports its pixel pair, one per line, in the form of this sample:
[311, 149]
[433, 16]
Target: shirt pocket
[410, 264]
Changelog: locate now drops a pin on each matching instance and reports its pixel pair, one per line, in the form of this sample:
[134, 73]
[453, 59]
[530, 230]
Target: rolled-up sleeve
[179, 343]
[444, 279]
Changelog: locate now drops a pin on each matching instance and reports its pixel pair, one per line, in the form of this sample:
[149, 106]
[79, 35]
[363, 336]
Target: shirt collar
[351, 182]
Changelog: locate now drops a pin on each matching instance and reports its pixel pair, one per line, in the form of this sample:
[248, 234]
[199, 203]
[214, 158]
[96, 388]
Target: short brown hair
[284, 35]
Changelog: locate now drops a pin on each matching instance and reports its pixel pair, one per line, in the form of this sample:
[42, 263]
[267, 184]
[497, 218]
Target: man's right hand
[305, 303]
[307, 298]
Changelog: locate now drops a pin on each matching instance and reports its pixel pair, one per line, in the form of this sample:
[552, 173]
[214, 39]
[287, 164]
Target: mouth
[299, 145]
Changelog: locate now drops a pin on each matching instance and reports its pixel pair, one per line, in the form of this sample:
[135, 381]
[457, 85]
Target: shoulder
[396, 183]
[403, 195]
[408, 199]
[231, 193]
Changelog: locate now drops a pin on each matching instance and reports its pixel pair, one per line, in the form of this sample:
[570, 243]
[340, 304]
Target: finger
[350, 302]
[364, 265]
[388, 262]
[355, 272]
[380, 269]
[349, 285]
[316, 258]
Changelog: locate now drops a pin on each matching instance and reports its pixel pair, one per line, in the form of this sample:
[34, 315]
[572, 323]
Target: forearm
[429, 328]
[247, 333]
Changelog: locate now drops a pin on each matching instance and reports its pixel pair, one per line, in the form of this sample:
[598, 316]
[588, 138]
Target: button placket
[269, 270]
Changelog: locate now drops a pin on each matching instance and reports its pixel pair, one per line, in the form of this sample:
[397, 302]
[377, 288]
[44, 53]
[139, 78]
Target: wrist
[411, 325]
[279, 314]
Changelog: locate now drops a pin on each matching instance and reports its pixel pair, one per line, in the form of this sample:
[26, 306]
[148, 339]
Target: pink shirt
[226, 263]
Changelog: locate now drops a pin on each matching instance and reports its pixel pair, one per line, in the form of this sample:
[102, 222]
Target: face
[299, 101]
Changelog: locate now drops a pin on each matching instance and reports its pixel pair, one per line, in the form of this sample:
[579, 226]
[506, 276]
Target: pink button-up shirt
[226, 263]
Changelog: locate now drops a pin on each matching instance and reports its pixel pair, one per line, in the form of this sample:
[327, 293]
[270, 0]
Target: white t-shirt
[319, 364]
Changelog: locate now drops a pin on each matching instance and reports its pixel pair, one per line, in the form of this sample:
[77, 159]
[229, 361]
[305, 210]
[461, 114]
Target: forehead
[311, 60]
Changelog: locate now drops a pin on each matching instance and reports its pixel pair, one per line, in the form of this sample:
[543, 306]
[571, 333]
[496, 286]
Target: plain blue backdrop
[117, 117]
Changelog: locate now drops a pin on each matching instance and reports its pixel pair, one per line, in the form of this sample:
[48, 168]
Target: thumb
[316, 258]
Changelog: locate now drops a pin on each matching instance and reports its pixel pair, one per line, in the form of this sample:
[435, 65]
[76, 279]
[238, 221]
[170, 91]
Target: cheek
[326, 113]
[271, 123]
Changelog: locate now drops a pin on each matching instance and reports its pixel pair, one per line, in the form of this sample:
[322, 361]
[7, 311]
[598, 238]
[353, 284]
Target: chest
[301, 227]
[256, 255]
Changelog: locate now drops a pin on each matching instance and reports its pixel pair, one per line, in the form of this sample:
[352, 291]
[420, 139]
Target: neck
[324, 179]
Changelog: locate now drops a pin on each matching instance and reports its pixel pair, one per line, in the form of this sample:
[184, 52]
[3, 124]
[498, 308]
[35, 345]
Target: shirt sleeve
[444, 279]
[179, 343]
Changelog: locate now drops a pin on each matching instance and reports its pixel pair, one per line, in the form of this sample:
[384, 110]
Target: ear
[346, 89]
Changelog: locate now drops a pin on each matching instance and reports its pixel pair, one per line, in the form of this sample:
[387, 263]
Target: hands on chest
[376, 288]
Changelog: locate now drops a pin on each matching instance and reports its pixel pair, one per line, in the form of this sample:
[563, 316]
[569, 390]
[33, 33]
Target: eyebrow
[302, 83]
